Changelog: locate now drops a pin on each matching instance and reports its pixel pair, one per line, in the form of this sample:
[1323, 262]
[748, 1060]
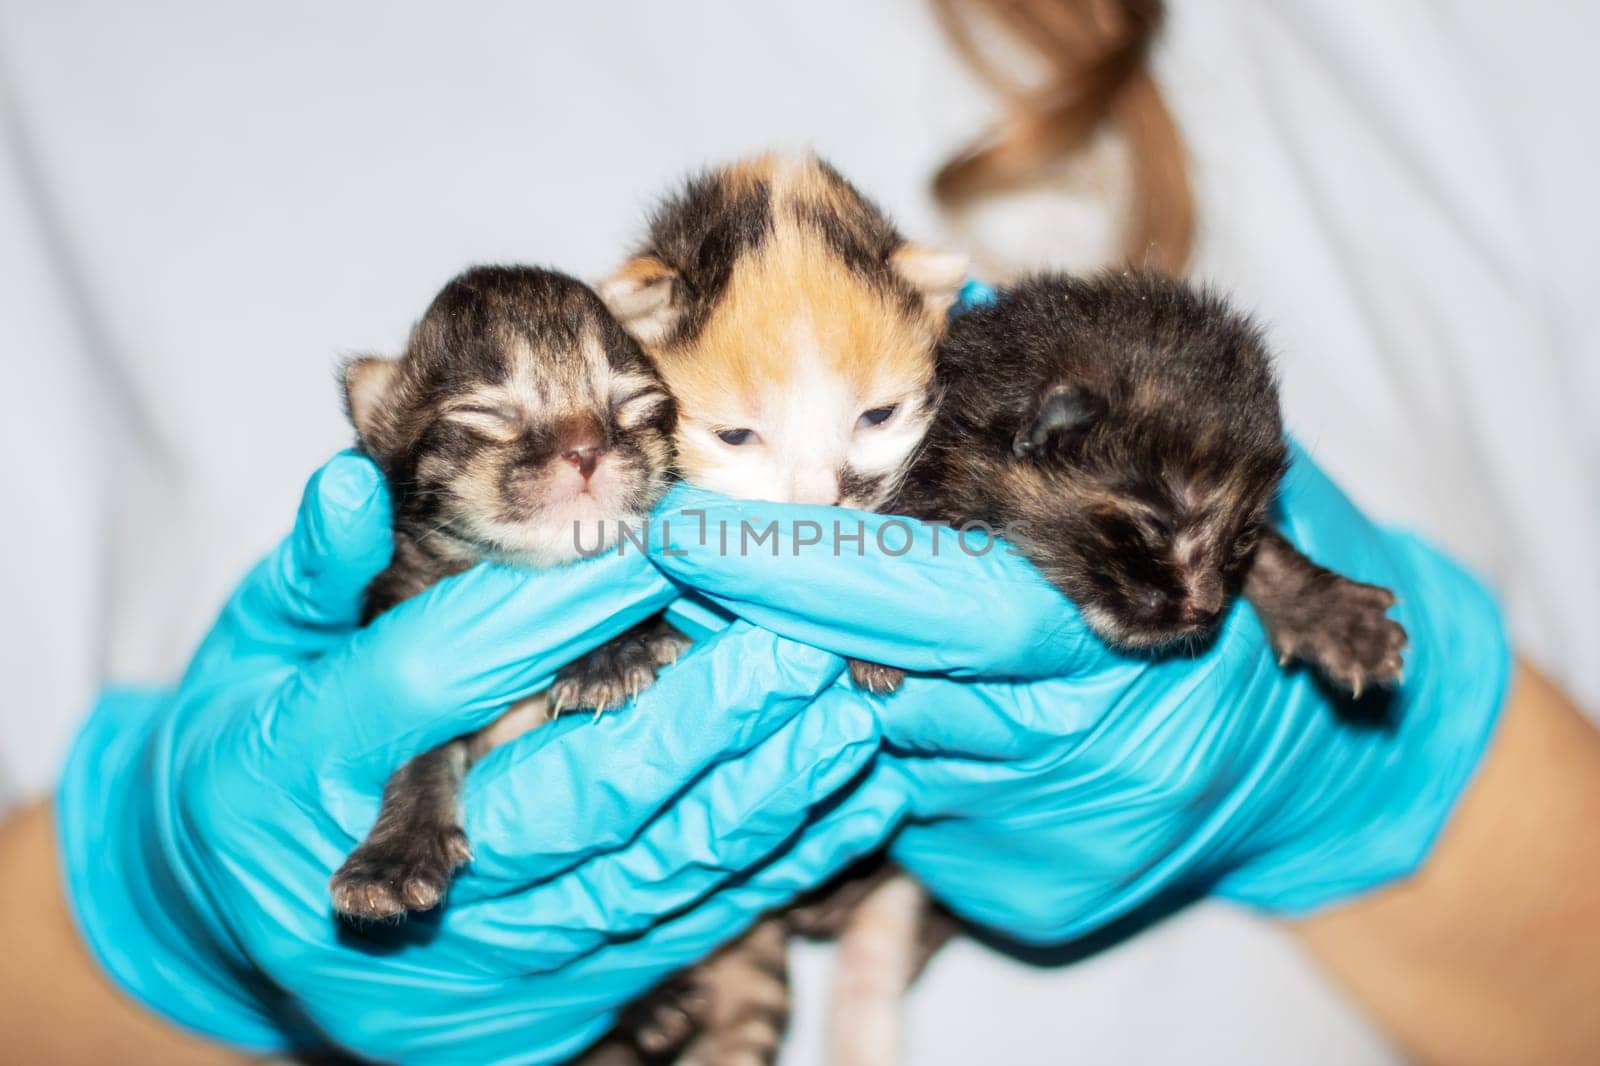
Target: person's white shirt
[205, 205]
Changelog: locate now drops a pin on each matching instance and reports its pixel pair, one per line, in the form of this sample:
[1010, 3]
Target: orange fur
[793, 311]
[789, 310]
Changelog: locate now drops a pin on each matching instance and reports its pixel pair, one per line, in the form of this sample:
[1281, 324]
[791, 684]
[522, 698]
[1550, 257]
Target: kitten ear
[367, 383]
[1064, 416]
[937, 275]
[640, 296]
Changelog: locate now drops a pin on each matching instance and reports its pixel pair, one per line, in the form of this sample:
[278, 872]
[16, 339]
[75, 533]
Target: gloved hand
[199, 828]
[1047, 808]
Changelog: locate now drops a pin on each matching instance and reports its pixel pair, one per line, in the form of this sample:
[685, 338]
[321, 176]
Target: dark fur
[1124, 432]
[859, 232]
[700, 233]
[452, 471]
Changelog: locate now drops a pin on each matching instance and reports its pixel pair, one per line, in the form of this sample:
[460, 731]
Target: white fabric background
[203, 205]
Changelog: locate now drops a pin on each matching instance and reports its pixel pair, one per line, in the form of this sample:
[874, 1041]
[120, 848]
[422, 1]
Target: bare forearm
[55, 1004]
[1491, 953]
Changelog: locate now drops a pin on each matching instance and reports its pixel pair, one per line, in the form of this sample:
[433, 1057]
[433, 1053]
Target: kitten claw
[876, 678]
[615, 673]
[1343, 629]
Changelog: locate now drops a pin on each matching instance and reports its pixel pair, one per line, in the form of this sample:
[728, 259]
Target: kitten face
[804, 385]
[795, 328]
[520, 418]
[1124, 432]
[1148, 558]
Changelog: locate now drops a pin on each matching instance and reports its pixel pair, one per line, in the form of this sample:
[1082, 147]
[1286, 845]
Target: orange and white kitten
[795, 328]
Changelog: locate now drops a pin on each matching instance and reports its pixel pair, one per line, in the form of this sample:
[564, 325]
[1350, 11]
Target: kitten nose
[1204, 602]
[585, 457]
[815, 487]
[581, 442]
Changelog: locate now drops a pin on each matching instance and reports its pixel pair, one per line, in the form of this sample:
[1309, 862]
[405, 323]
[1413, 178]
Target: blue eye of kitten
[734, 437]
[877, 416]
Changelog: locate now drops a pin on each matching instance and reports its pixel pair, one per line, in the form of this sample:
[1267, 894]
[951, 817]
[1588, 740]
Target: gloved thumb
[307, 592]
[342, 538]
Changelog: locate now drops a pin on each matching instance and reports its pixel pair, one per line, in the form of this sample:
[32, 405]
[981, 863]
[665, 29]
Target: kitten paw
[402, 872]
[665, 1019]
[875, 677]
[1344, 630]
[615, 673]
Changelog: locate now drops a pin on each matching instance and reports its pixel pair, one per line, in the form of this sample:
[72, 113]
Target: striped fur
[519, 410]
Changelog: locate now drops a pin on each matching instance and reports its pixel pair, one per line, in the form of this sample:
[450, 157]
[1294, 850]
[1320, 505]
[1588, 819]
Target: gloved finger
[729, 821]
[1027, 726]
[993, 721]
[616, 969]
[447, 661]
[582, 787]
[839, 835]
[306, 594]
[518, 994]
[1044, 900]
[1060, 884]
[1096, 794]
[882, 588]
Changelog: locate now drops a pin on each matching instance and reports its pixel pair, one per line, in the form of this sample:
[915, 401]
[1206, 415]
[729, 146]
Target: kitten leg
[730, 1010]
[735, 1005]
[406, 861]
[824, 912]
[875, 677]
[743, 1006]
[827, 913]
[618, 670]
[938, 928]
[881, 950]
[521, 717]
[1313, 614]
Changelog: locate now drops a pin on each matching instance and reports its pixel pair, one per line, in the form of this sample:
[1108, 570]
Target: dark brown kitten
[1124, 432]
[519, 409]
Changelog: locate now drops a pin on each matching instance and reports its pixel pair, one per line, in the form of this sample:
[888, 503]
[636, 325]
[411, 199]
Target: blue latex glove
[1047, 808]
[198, 828]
